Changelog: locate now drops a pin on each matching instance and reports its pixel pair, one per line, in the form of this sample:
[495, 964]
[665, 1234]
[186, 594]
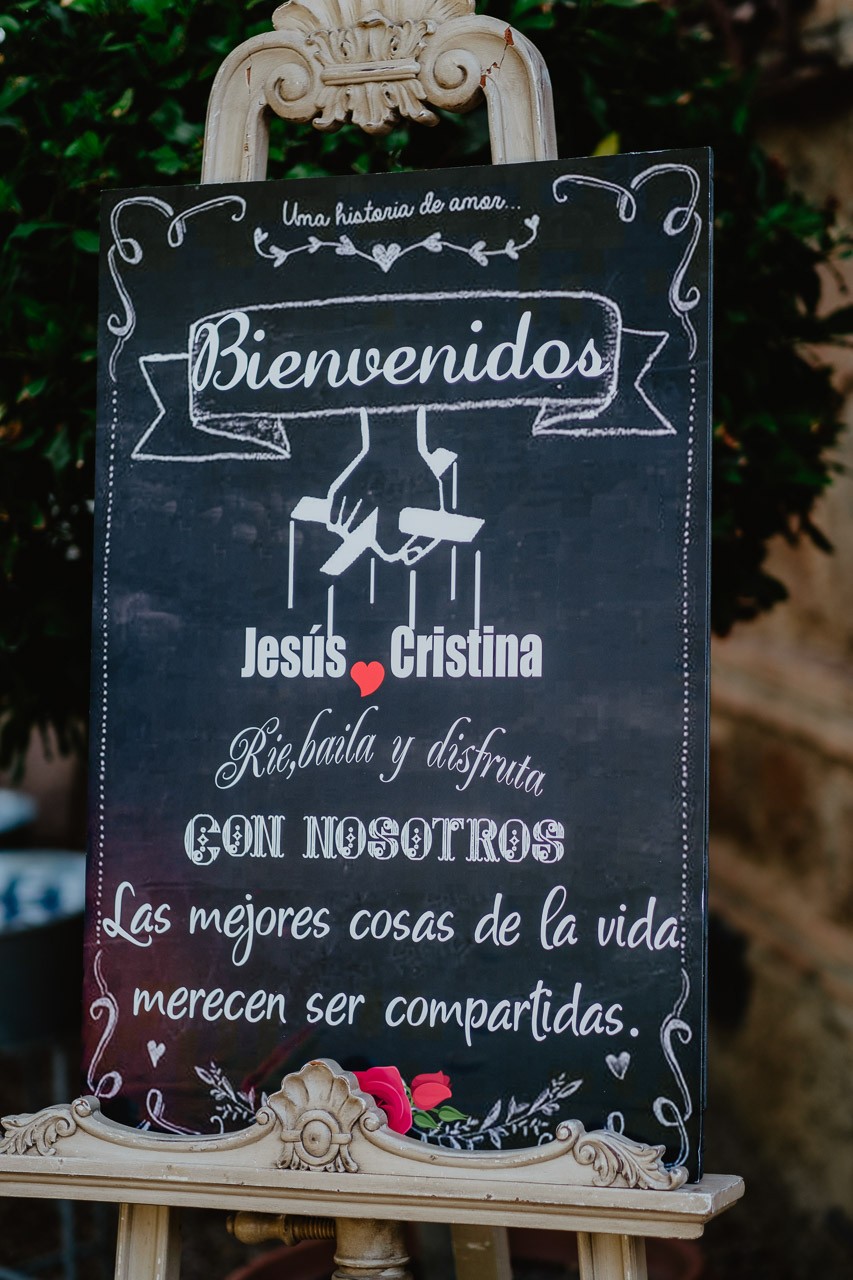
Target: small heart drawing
[368, 676]
[386, 255]
[618, 1065]
[155, 1051]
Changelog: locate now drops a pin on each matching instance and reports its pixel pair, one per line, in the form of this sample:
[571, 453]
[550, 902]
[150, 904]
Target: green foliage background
[112, 93]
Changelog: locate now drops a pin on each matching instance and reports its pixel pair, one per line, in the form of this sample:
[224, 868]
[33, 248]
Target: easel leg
[604, 1257]
[149, 1243]
[481, 1253]
[368, 1249]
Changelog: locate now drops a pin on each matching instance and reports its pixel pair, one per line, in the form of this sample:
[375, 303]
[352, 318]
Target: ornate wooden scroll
[322, 1145]
[328, 61]
[320, 1121]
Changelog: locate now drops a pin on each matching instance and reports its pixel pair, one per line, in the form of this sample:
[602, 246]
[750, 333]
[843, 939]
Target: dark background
[582, 544]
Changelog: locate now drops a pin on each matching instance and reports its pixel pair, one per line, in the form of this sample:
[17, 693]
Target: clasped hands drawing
[360, 506]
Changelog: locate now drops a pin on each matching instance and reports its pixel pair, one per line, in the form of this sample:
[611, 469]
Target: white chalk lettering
[210, 1004]
[222, 360]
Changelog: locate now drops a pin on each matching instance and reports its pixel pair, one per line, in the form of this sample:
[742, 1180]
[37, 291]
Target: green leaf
[423, 1121]
[447, 1112]
[15, 88]
[86, 241]
[542, 21]
[88, 146]
[520, 7]
[150, 8]
[305, 171]
[123, 105]
[167, 160]
[608, 146]
[24, 230]
[58, 452]
[32, 389]
[169, 119]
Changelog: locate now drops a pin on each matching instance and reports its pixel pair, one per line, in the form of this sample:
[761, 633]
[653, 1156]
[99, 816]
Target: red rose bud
[429, 1089]
[385, 1084]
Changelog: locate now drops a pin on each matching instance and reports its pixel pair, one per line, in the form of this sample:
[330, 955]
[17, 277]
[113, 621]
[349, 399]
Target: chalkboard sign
[400, 648]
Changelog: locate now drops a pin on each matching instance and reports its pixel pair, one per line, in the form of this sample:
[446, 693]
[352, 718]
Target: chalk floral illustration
[507, 1119]
[421, 1109]
[385, 255]
[231, 1106]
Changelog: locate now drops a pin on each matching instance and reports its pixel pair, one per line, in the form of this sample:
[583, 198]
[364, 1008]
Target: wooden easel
[320, 1146]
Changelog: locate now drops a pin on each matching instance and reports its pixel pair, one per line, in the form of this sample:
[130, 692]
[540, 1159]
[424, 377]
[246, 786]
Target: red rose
[429, 1089]
[386, 1086]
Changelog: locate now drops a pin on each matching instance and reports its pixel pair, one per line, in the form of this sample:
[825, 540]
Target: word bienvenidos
[220, 360]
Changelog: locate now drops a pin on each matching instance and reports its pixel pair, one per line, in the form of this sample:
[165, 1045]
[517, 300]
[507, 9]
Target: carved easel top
[321, 1121]
[321, 1142]
[329, 61]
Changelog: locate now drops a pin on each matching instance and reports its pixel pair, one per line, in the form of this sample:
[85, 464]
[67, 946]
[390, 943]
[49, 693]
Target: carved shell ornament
[318, 1109]
[350, 60]
[311, 1124]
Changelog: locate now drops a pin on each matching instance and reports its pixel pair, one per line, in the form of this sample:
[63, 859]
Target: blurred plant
[112, 93]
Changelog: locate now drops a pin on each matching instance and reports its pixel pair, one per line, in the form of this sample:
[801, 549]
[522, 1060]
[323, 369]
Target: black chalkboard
[400, 647]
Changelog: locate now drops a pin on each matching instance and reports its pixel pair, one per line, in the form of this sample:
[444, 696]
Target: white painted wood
[434, 1198]
[321, 1146]
[321, 1121]
[148, 1246]
[481, 1253]
[395, 60]
[611, 1257]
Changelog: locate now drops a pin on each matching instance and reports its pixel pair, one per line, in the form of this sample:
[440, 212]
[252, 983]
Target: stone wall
[782, 780]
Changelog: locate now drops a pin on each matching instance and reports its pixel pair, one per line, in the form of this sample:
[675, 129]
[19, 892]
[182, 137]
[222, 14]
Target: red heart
[368, 676]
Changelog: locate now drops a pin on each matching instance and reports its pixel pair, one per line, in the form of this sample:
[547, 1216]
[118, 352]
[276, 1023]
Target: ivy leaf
[608, 146]
[166, 160]
[87, 147]
[123, 105]
[24, 230]
[86, 241]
